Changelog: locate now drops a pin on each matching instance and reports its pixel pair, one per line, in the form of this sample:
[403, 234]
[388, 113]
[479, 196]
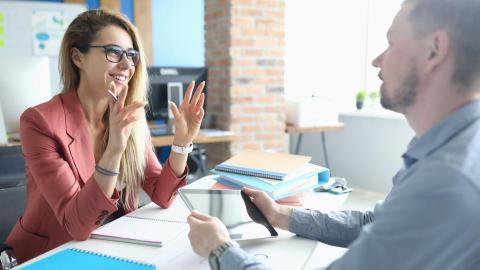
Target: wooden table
[321, 128]
[204, 136]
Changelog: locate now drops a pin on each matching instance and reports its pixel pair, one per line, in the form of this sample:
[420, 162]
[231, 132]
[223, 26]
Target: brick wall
[244, 49]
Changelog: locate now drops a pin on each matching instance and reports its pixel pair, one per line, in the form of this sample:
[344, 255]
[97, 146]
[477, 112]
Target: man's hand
[206, 233]
[277, 215]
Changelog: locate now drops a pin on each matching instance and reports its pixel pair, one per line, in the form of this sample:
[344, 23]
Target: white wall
[367, 151]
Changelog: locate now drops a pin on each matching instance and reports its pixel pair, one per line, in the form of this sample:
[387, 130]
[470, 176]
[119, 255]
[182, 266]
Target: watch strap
[184, 150]
[216, 254]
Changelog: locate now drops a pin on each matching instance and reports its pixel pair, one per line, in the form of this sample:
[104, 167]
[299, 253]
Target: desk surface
[204, 136]
[329, 127]
[180, 251]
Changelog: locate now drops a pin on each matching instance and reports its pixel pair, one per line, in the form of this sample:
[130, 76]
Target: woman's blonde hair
[80, 33]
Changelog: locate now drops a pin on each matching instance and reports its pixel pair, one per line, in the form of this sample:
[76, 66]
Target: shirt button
[104, 212]
[97, 222]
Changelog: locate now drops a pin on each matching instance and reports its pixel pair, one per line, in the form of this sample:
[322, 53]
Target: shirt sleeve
[236, 258]
[161, 183]
[426, 222]
[334, 228]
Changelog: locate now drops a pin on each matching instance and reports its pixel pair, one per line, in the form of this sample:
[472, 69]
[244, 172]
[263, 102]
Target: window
[330, 46]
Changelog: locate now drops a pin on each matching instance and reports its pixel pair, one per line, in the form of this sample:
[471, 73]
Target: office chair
[12, 201]
[12, 198]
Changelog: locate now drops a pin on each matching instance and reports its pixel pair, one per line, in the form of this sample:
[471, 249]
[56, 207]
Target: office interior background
[262, 53]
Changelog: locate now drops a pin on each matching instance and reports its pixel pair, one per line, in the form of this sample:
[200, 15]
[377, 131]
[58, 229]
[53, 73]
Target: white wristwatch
[182, 149]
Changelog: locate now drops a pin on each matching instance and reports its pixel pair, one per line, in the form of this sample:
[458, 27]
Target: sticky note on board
[2, 30]
[2, 17]
[2, 43]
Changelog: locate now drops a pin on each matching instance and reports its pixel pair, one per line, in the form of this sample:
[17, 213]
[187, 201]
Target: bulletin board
[36, 28]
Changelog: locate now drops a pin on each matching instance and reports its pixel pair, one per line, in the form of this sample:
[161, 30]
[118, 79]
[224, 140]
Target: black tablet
[234, 208]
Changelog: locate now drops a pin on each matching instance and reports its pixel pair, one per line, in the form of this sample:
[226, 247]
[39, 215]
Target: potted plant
[374, 97]
[360, 98]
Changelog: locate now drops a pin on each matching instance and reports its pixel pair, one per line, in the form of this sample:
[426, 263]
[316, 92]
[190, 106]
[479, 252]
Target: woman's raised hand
[188, 117]
[121, 118]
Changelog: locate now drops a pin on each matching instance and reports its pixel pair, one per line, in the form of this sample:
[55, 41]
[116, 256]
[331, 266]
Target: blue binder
[74, 259]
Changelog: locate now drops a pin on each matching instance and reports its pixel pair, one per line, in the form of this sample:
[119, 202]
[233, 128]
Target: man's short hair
[461, 20]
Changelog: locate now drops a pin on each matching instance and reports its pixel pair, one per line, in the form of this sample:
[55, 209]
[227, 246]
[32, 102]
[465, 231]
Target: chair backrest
[12, 188]
[12, 205]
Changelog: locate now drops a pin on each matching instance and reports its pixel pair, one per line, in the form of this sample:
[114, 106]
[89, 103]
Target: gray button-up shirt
[429, 220]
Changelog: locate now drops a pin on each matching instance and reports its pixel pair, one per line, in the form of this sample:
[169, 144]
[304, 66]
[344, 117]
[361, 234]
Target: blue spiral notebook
[74, 259]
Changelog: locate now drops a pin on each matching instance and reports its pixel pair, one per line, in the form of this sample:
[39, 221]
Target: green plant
[361, 95]
[374, 95]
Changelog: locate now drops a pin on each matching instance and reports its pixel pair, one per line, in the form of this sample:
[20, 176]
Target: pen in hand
[111, 93]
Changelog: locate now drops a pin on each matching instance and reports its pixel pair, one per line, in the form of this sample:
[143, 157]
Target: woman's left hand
[188, 117]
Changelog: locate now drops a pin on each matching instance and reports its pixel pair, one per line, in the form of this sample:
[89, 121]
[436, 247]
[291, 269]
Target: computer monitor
[170, 83]
[24, 82]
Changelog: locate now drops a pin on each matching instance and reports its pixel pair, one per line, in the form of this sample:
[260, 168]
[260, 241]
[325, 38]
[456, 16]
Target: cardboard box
[311, 111]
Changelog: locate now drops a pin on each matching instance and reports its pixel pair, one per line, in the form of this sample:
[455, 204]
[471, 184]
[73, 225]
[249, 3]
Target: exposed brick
[242, 42]
[267, 99]
[244, 50]
[252, 110]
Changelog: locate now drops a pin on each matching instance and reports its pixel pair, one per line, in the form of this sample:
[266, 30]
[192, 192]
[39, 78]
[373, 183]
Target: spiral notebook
[277, 166]
[79, 259]
[149, 225]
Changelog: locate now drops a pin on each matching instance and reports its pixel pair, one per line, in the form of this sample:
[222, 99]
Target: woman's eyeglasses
[114, 54]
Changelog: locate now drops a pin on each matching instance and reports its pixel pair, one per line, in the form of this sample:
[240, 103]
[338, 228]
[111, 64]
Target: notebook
[264, 164]
[149, 225]
[78, 259]
[311, 178]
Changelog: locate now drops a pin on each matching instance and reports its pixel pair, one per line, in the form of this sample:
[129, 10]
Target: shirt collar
[455, 122]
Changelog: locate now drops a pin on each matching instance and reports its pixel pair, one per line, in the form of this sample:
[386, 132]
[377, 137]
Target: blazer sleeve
[77, 207]
[161, 184]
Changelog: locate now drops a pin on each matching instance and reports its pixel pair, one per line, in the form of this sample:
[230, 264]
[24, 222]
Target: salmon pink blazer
[64, 201]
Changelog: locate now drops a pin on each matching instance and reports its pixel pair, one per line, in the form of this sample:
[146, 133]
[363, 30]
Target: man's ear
[77, 57]
[438, 49]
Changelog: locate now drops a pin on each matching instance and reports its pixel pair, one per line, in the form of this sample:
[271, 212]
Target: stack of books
[279, 175]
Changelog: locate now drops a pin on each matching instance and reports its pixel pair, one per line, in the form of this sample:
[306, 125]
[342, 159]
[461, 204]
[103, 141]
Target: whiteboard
[19, 25]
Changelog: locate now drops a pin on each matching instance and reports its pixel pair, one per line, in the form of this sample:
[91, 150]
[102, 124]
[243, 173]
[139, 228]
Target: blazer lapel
[76, 126]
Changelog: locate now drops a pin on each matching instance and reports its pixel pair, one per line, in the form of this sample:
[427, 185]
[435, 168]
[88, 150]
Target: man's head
[429, 39]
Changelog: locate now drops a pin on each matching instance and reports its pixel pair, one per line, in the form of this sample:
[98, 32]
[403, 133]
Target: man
[429, 220]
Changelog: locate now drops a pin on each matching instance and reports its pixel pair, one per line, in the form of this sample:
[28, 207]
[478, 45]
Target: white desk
[170, 255]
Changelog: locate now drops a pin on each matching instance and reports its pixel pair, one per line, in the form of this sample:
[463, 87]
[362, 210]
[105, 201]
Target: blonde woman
[88, 149]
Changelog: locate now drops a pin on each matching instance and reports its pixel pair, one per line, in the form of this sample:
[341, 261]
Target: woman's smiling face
[96, 71]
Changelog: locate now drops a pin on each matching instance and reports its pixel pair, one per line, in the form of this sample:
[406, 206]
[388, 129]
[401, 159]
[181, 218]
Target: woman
[88, 149]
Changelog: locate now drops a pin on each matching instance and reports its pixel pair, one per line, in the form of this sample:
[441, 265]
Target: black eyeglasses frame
[123, 55]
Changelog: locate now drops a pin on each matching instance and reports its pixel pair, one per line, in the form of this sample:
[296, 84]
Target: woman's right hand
[121, 119]
[278, 215]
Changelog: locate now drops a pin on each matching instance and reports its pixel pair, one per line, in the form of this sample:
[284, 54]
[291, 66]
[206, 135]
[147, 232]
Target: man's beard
[404, 96]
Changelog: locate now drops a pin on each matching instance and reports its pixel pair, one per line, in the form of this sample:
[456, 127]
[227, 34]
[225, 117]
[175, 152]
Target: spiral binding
[158, 219]
[251, 173]
[112, 257]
